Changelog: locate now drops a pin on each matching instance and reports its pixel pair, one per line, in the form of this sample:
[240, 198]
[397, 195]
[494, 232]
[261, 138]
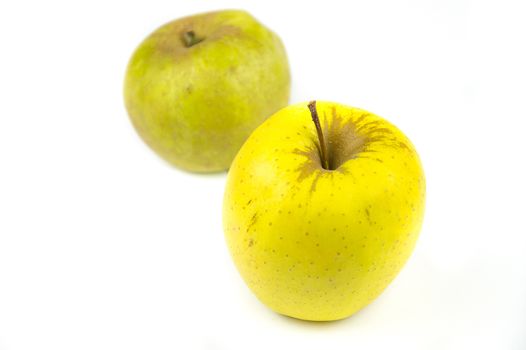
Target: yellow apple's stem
[323, 146]
[190, 39]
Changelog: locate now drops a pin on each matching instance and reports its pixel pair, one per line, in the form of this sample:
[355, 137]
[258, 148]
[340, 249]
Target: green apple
[197, 87]
[320, 217]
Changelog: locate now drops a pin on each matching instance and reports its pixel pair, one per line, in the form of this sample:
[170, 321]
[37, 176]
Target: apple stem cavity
[190, 39]
[323, 146]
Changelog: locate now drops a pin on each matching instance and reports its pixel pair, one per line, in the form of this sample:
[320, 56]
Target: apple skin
[319, 244]
[196, 105]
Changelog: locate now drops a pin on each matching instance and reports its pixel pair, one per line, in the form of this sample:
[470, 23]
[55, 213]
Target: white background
[104, 246]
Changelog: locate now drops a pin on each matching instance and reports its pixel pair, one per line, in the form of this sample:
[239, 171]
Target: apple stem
[323, 146]
[190, 39]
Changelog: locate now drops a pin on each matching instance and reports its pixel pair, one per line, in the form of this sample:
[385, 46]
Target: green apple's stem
[323, 146]
[190, 39]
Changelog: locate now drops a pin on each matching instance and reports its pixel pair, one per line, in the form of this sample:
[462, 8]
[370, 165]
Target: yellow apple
[320, 217]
